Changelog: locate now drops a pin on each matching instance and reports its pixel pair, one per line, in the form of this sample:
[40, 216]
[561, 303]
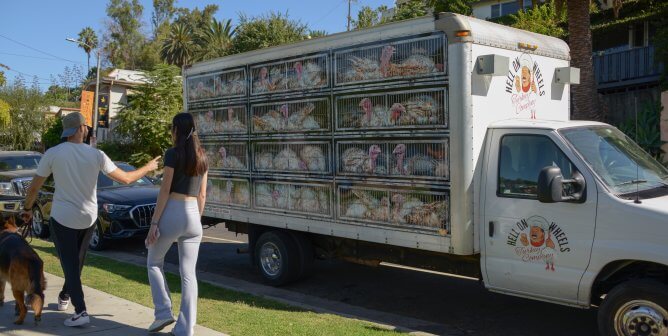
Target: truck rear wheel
[306, 254]
[277, 258]
[637, 307]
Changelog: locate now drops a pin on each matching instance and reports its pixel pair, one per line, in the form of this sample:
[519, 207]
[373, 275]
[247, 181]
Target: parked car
[124, 211]
[16, 172]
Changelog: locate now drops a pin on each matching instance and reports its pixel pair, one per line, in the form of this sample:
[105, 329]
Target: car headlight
[109, 208]
[6, 188]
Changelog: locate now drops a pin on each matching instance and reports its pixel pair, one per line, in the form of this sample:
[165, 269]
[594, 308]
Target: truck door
[532, 248]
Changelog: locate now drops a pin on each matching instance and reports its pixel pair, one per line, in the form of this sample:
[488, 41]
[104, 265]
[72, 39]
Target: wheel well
[619, 271]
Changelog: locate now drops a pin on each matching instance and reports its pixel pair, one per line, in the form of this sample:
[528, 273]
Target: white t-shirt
[75, 168]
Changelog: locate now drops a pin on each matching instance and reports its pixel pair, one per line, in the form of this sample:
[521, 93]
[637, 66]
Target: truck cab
[572, 210]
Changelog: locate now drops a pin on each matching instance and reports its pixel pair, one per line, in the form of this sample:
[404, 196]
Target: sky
[33, 32]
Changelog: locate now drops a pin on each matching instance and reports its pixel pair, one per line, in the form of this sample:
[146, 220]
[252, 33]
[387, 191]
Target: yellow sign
[87, 101]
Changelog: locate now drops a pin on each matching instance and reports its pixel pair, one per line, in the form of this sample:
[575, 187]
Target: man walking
[75, 167]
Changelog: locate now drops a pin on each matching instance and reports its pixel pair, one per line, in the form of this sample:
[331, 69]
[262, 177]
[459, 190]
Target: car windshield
[618, 161]
[103, 181]
[9, 163]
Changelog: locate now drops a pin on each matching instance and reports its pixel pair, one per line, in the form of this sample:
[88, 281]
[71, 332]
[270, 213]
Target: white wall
[117, 97]
[483, 10]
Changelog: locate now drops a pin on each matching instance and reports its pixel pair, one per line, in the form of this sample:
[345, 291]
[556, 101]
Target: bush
[117, 151]
[51, 137]
[649, 134]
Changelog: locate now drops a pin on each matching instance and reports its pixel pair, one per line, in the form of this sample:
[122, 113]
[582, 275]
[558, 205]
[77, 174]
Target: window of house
[638, 35]
[496, 10]
[521, 159]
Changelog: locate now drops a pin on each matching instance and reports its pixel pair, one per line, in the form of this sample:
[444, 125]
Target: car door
[532, 248]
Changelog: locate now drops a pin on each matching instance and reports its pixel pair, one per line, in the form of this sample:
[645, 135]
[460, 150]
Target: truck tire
[277, 258]
[636, 307]
[306, 254]
[39, 226]
[97, 241]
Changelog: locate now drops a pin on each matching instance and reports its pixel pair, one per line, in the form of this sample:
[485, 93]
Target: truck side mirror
[551, 186]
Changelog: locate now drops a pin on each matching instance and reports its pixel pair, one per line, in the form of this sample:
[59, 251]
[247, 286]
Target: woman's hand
[152, 236]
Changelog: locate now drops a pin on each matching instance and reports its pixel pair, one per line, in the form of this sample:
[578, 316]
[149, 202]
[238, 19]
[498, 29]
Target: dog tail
[38, 283]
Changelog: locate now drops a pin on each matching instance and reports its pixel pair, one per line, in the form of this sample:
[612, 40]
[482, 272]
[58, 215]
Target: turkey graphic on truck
[539, 240]
[525, 84]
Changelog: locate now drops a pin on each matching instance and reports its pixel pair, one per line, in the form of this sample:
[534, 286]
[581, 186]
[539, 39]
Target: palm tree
[215, 40]
[179, 47]
[89, 39]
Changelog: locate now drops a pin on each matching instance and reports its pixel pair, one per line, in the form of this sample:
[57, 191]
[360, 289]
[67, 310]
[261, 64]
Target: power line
[331, 11]
[37, 57]
[40, 51]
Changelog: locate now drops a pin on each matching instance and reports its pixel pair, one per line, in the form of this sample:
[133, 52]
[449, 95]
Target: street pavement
[110, 316]
[446, 304]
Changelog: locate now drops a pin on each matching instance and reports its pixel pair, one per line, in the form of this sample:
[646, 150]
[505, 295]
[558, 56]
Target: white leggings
[180, 222]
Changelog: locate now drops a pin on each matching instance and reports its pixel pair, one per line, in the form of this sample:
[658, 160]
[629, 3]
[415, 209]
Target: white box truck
[442, 143]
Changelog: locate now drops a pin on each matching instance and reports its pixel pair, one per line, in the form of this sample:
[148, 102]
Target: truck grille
[142, 214]
[21, 185]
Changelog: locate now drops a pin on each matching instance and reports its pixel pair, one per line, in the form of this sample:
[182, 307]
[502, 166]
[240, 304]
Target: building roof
[122, 77]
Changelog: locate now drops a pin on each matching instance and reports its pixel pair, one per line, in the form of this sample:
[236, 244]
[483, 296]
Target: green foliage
[125, 40]
[89, 39]
[411, 9]
[649, 133]
[179, 47]
[117, 150]
[267, 30]
[317, 33]
[542, 20]
[215, 40]
[26, 113]
[51, 136]
[163, 12]
[5, 116]
[661, 51]
[145, 121]
[3, 80]
[367, 17]
[455, 6]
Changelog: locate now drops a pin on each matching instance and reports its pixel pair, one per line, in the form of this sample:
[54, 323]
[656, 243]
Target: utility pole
[349, 1]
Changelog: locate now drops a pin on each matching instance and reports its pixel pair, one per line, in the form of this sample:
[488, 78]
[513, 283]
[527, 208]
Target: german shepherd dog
[22, 268]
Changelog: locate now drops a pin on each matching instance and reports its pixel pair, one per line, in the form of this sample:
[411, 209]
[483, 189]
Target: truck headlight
[111, 208]
[6, 188]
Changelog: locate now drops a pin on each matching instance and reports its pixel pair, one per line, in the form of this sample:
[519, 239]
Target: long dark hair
[189, 153]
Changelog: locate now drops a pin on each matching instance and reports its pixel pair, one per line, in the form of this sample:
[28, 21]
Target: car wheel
[277, 258]
[39, 227]
[97, 240]
[636, 307]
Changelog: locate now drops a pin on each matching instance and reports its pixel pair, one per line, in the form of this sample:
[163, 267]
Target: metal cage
[403, 59]
[225, 120]
[309, 199]
[392, 110]
[408, 158]
[229, 156]
[297, 74]
[312, 157]
[394, 207]
[228, 191]
[225, 84]
[311, 115]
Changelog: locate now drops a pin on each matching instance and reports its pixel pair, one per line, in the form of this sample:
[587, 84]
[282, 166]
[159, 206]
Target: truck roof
[17, 153]
[543, 124]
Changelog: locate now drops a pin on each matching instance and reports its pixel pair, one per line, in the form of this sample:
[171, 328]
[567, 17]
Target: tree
[455, 6]
[215, 40]
[26, 115]
[89, 39]
[542, 19]
[267, 30]
[179, 47]
[3, 79]
[51, 136]
[145, 121]
[317, 33]
[5, 116]
[367, 17]
[198, 20]
[163, 12]
[411, 9]
[125, 40]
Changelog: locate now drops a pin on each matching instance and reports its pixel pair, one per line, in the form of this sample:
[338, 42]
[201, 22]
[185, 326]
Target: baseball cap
[71, 123]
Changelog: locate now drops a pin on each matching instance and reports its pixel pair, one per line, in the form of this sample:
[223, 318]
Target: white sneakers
[63, 304]
[158, 325]
[78, 320]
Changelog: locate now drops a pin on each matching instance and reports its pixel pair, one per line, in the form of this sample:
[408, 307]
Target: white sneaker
[158, 325]
[63, 304]
[78, 320]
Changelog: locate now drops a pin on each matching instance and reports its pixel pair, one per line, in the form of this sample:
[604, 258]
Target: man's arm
[121, 176]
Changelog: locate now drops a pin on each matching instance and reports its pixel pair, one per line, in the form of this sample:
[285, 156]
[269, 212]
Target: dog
[22, 268]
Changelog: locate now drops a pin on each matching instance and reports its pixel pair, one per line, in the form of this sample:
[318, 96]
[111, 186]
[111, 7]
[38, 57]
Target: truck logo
[525, 84]
[537, 240]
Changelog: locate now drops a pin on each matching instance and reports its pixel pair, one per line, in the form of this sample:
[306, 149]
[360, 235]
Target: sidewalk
[110, 315]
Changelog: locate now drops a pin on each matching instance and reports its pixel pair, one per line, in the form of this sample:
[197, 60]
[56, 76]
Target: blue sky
[44, 25]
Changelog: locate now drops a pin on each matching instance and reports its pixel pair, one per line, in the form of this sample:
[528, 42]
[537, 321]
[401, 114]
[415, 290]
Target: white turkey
[421, 110]
[296, 120]
[237, 85]
[400, 167]
[374, 116]
[264, 161]
[287, 159]
[272, 120]
[402, 207]
[229, 161]
[232, 124]
[381, 212]
[421, 164]
[356, 160]
[418, 63]
[430, 215]
[226, 194]
[206, 122]
[241, 194]
[314, 158]
[356, 209]
[277, 78]
[264, 195]
[285, 197]
[386, 66]
[362, 69]
[369, 202]
[308, 200]
[323, 199]
[313, 75]
[262, 83]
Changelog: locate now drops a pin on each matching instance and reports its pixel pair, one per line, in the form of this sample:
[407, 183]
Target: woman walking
[177, 218]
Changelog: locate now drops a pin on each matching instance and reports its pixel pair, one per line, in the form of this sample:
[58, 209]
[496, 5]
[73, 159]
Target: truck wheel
[39, 227]
[637, 307]
[277, 257]
[306, 255]
[97, 240]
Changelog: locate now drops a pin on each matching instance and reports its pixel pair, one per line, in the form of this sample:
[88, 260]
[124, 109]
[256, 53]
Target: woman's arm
[201, 197]
[163, 195]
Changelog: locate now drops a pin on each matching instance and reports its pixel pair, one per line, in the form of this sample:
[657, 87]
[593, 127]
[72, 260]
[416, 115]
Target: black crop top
[181, 182]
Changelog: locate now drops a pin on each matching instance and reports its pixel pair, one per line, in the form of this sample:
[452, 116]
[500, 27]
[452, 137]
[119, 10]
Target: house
[114, 90]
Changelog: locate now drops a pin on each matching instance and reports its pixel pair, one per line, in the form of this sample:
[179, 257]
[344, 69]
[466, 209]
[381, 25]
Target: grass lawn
[220, 309]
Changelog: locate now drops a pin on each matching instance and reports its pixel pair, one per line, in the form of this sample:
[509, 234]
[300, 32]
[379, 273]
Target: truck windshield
[9, 163]
[618, 161]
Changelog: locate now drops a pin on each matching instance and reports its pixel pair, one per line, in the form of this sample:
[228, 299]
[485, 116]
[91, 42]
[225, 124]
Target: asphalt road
[458, 303]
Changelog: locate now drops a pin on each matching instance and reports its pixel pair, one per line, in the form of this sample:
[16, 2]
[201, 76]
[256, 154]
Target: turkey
[402, 207]
[264, 195]
[421, 164]
[226, 194]
[429, 215]
[264, 161]
[307, 75]
[369, 202]
[400, 167]
[308, 201]
[277, 78]
[355, 160]
[236, 86]
[262, 83]
[381, 212]
[296, 120]
[314, 158]
[229, 161]
[422, 110]
[418, 63]
[285, 197]
[362, 69]
[212, 157]
[356, 209]
[374, 116]
[241, 194]
[323, 199]
[396, 111]
[387, 69]
[232, 124]
[212, 192]
[206, 122]
[272, 120]
[287, 159]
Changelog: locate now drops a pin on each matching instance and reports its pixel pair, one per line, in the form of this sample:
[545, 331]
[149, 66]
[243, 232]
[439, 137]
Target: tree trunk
[88, 68]
[584, 96]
